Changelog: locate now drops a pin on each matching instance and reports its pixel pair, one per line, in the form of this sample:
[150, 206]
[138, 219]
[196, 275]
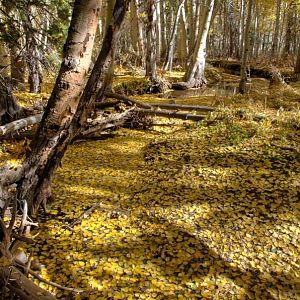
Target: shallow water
[222, 89]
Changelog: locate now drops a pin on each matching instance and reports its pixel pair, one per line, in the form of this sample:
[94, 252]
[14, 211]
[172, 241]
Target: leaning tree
[66, 112]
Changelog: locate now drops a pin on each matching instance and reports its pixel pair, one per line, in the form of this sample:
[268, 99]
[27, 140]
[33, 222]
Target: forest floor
[186, 210]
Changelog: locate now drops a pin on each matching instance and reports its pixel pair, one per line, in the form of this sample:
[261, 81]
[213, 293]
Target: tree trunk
[137, 32]
[38, 166]
[17, 69]
[276, 33]
[297, 66]
[288, 32]
[4, 60]
[171, 45]
[182, 40]
[151, 71]
[9, 108]
[66, 113]
[194, 75]
[242, 85]
[34, 55]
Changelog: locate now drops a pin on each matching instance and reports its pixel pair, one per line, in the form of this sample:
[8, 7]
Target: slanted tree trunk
[62, 105]
[242, 85]
[151, 71]
[65, 112]
[194, 75]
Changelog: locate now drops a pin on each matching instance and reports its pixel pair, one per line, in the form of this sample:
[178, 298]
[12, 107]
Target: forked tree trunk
[62, 105]
[66, 113]
[194, 75]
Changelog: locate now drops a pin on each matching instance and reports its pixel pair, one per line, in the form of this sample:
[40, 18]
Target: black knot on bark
[71, 62]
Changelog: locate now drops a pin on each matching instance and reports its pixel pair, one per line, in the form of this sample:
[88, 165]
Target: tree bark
[20, 124]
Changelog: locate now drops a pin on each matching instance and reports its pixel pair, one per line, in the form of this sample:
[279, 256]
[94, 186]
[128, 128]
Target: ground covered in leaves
[205, 210]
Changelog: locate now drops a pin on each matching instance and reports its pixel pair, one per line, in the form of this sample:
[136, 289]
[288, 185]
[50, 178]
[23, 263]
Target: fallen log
[103, 105]
[127, 100]
[19, 124]
[105, 123]
[182, 106]
[170, 114]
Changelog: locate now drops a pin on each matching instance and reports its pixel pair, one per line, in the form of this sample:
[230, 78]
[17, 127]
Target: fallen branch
[103, 105]
[85, 215]
[127, 100]
[61, 287]
[105, 123]
[19, 124]
[182, 106]
[170, 114]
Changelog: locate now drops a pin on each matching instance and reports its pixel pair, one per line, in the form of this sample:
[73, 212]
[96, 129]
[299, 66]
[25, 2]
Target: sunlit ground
[187, 212]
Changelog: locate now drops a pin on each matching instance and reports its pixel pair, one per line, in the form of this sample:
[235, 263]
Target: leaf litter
[186, 211]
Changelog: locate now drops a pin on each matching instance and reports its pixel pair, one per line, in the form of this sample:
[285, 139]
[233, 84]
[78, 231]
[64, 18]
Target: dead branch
[127, 100]
[182, 107]
[170, 114]
[103, 105]
[19, 124]
[105, 123]
[61, 287]
[85, 214]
